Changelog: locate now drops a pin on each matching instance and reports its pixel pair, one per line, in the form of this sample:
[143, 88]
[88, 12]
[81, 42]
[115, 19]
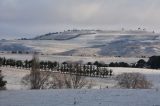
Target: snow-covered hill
[131, 43]
[112, 43]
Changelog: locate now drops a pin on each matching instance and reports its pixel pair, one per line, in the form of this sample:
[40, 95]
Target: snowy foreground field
[18, 95]
[103, 97]
[13, 76]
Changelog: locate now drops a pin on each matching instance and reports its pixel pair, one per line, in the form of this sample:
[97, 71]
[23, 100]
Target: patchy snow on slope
[104, 43]
[13, 46]
[66, 35]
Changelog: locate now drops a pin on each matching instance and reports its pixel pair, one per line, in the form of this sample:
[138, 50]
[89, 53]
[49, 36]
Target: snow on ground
[13, 76]
[103, 97]
[151, 74]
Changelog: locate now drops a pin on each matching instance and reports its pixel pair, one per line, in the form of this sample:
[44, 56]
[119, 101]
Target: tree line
[91, 70]
[96, 69]
[152, 63]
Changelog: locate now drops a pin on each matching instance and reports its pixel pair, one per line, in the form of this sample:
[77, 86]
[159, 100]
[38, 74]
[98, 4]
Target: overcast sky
[26, 18]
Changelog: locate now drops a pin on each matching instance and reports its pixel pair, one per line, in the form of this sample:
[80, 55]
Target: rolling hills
[130, 43]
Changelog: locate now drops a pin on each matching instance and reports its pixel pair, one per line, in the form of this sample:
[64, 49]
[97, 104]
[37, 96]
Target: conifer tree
[2, 82]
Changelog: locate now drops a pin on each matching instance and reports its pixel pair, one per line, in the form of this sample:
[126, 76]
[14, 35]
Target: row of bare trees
[65, 67]
[38, 79]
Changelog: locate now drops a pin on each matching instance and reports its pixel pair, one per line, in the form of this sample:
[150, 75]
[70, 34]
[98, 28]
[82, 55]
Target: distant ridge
[71, 34]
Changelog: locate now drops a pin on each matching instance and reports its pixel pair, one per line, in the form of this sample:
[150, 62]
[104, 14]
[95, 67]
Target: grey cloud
[32, 17]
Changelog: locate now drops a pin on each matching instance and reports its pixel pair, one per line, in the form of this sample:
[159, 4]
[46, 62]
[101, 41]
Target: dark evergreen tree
[110, 72]
[89, 63]
[154, 62]
[141, 63]
[2, 83]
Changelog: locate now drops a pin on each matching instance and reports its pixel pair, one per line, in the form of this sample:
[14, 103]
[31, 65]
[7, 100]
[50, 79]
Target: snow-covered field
[151, 74]
[13, 76]
[104, 92]
[84, 59]
[103, 97]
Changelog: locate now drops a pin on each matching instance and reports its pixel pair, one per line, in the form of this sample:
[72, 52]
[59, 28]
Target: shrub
[133, 81]
[67, 81]
[41, 82]
[2, 83]
[141, 63]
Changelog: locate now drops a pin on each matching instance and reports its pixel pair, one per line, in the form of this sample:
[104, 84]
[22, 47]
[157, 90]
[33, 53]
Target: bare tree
[57, 81]
[68, 81]
[35, 73]
[75, 81]
[36, 79]
[133, 81]
[90, 84]
[42, 79]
